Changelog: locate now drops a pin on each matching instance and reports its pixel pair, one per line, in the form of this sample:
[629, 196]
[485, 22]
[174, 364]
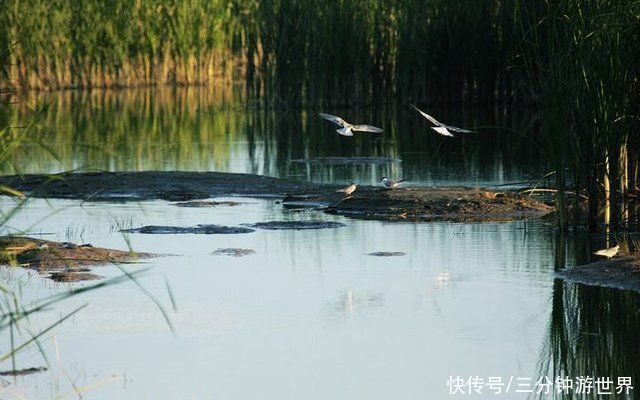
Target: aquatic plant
[288, 52]
[583, 63]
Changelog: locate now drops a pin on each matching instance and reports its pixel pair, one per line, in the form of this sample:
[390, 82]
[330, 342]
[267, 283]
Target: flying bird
[347, 129]
[349, 189]
[609, 253]
[444, 130]
[391, 183]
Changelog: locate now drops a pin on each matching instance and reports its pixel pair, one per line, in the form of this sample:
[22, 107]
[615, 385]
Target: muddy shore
[425, 204]
[61, 262]
[618, 273]
[163, 185]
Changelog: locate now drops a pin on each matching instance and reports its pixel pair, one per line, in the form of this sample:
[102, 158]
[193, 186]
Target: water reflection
[462, 292]
[349, 302]
[194, 129]
[592, 331]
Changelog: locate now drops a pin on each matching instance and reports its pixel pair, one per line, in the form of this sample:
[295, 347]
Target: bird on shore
[391, 183]
[609, 253]
[444, 130]
[348, 190]
[347, 129]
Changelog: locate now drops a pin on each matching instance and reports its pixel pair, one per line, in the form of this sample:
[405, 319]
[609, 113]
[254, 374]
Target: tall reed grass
[341, 52]
[583, 62]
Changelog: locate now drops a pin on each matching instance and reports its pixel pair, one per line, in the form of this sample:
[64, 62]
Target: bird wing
[458, 130]
[333, 118]
[427, 116]
[442, 130]
[367, 128]
[347, 131]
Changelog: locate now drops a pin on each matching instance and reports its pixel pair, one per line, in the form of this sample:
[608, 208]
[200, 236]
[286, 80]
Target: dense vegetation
[294, 51]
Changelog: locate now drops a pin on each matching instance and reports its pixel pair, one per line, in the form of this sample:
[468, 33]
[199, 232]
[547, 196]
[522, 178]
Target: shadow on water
[193, 129]
[592, 333]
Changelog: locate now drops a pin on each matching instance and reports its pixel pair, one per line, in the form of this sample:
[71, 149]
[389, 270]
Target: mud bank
[61, 262]
[163, 185]
[456, 204]
[413, 204]
[619, 273]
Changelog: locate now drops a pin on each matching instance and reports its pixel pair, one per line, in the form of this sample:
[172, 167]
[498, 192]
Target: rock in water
[234, 252]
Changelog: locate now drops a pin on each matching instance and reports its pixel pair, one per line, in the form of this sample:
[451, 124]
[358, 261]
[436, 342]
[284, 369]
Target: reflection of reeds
[591, 329]
[591, 333]
[145, 129]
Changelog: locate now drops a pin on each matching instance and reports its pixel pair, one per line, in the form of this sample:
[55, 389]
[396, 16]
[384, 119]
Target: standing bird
[444, 130]
[348, 190]
[609, 253]
[347, 129]
[391, 183]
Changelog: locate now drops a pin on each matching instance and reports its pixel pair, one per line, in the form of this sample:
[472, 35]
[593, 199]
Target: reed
[288, 52]
[583, 63]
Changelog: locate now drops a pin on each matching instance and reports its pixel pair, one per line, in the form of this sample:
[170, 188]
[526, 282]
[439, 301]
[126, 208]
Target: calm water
[310, 315]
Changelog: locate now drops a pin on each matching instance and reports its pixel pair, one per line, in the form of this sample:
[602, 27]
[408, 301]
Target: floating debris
[209, 229]
[234, 252]
[387, 254]
[295, 225]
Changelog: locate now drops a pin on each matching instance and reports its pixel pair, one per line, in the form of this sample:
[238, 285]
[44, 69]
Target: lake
[311, 314]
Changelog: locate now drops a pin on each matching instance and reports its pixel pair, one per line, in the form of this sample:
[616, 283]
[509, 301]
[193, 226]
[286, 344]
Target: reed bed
[287, 52]
[583, 62]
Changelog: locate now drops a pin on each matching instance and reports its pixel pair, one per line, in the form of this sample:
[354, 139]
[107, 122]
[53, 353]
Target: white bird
[609, 253]
[391, 183]
[347, 129]
[444, 130]
[349, 189]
